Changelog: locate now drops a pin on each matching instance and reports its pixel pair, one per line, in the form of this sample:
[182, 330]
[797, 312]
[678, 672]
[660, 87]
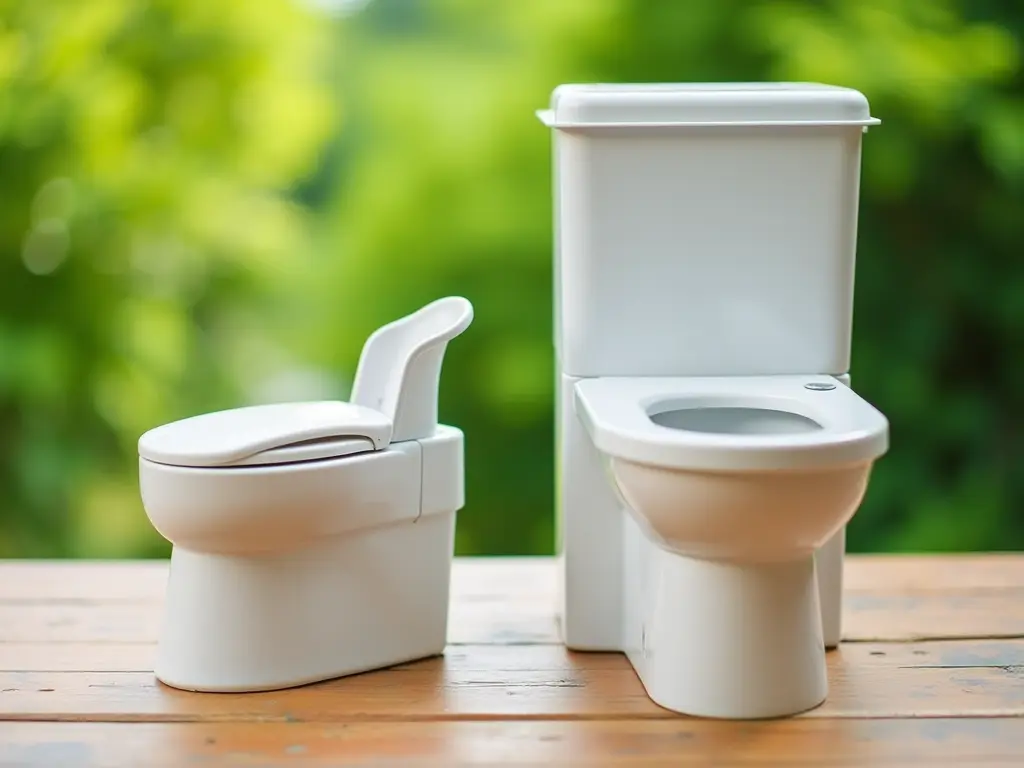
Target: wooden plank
[933, 616]
[71, 580]
[504, 600]
[82, 580]
[880, 743]
[144, 580]
[533, 682]
[512, 619]
[77, 657]
[527, 618]
[139, 657]
[946, 573]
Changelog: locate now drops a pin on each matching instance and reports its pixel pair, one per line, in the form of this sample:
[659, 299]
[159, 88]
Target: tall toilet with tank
[710, 450]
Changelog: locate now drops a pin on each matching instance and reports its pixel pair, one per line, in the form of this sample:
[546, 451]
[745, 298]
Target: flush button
[820, 386]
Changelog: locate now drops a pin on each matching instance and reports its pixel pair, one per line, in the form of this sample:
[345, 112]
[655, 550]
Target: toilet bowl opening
[735, 420]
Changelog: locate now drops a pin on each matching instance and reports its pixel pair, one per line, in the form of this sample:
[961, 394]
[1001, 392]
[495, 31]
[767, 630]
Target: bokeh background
[207, 204]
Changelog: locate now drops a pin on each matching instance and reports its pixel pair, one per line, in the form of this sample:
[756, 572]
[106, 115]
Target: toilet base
[344, 605]
[722, 640]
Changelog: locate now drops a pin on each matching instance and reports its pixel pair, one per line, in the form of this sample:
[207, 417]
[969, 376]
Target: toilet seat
[841, 427]
[280, 433]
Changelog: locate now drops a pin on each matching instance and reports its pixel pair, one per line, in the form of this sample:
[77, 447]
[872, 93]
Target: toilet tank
[705, 229]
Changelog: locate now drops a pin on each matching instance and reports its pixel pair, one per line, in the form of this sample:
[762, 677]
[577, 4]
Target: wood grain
[508, 602]
[142, 580]
[932, 673]
[529, 620]
[948, 573]
[533, 682]
[879, 743]
[521, 620]
[138, 657]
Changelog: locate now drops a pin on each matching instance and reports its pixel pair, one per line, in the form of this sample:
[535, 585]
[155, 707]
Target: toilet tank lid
[705, 104]
[267, 434]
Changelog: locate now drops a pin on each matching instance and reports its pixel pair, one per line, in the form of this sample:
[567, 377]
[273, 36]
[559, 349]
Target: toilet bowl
[311, 540]
[730, 485]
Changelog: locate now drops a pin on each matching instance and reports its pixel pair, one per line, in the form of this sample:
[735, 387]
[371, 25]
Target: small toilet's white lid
[268, 434]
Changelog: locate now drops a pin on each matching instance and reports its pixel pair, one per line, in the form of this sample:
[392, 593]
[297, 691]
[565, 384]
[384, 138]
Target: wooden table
[932, 673]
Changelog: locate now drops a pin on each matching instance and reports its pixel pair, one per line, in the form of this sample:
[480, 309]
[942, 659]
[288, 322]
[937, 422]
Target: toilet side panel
[590, 536]
[705, 251]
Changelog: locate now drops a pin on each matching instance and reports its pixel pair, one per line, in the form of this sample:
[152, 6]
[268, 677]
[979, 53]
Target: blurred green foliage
[146, 154]
[186, 224]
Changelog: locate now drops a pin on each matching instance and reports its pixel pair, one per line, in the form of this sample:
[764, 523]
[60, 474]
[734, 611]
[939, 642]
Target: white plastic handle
[400, 366]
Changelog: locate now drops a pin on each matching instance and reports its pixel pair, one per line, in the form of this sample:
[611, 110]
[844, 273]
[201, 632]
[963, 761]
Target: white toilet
[710, 448]
[312, 540]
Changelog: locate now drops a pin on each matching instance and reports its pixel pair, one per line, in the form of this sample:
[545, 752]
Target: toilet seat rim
[616, 413]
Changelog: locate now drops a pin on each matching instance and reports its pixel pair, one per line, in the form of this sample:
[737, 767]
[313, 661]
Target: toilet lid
[268, 434]
[732, 423]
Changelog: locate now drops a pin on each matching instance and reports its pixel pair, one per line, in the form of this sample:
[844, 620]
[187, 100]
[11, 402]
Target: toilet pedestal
[759, 650]
[352, 603]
